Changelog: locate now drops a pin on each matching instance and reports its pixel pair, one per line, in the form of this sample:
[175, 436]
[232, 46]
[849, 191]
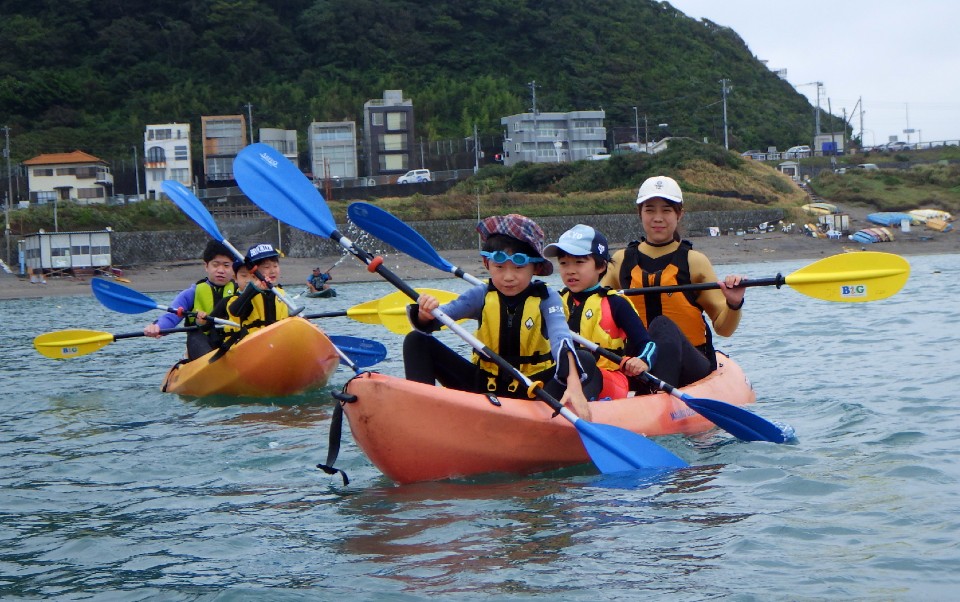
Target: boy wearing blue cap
[520, 319]
[608, 320]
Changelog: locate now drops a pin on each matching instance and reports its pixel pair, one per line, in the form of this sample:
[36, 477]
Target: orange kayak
[416, 432]
[285, 358]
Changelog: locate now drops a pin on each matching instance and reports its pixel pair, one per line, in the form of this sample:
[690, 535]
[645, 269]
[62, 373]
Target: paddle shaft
[131, 335]
[777, 281]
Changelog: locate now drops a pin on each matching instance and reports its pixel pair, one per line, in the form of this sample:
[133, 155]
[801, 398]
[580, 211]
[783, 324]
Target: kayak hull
[415, 432]
[285, 358]
[324, 294]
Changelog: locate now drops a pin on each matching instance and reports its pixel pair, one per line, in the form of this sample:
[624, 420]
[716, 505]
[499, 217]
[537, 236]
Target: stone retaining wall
[134, 248]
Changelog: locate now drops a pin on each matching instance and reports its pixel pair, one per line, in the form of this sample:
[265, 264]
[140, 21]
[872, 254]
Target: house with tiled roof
[75, 176]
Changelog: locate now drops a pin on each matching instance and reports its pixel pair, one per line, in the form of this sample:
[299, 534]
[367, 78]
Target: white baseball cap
[660, 187]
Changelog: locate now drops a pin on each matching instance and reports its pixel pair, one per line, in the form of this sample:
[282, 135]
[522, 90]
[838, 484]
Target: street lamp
[636, 125]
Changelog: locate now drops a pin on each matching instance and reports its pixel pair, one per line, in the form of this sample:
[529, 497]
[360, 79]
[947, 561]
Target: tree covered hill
[89, 74]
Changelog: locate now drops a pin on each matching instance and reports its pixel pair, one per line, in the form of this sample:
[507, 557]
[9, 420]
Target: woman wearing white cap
[661, 258]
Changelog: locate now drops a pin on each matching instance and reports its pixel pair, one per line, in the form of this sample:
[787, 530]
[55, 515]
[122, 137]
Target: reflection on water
[114, 490]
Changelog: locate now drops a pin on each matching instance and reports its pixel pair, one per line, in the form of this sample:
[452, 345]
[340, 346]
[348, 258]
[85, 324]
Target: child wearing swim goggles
[520, 319]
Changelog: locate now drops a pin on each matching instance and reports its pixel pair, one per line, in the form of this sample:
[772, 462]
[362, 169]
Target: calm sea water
[113, 490]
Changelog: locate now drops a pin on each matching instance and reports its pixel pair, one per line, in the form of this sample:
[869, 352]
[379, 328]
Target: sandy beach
[722, 250]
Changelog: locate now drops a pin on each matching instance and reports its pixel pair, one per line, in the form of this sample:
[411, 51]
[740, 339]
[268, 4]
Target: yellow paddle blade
[852, 277]
[393, 308]
[65, 344]
[366, 312]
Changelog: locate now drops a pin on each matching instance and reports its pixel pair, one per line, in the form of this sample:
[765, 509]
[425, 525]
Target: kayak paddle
[389, 311]
[845, 277]
[184, 198]
[280, 189]
[65, 344]
[126, 300]
[737, 421]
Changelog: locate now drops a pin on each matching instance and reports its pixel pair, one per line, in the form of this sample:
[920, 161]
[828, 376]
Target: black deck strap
[336, 431]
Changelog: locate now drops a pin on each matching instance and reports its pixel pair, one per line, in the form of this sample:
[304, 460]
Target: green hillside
[90, 74]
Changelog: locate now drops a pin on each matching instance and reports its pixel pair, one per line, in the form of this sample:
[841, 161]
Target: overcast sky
[902, 57]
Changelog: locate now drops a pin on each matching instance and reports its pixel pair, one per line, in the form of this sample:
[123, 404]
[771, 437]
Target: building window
[376, 119]
[393, 142]
[90, 193]
[396, 121]
[180, 153]
[181, 175]
[155, 154]
[42, 171]
[393, 163]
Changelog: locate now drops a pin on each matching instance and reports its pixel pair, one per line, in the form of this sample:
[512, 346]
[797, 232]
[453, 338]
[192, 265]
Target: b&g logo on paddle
[853, 290]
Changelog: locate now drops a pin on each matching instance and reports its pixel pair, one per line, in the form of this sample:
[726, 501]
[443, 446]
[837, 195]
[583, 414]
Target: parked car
[415, 175]
[795, 152]
[754, 154]
[898, 146]
[868, 166]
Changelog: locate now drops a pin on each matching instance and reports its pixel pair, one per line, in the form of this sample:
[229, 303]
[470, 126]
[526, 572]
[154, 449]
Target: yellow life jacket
[206, 296]
[641, 270]
[267, 308]
[518, 336]
[593, 319]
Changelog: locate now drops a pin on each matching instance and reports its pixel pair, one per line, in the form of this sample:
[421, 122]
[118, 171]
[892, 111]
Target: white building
[333, 149]
[553, 137]
[74, 176]
[283, 141]
[166, 156]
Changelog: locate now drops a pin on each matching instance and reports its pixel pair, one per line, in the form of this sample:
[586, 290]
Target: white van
[415, 175]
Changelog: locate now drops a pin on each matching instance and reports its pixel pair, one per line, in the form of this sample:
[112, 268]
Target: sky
[901, 57]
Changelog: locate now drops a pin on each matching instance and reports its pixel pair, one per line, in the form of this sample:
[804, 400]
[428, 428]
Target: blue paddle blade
[740, 423]
[613, 449]
[362, 352]
[120, 298]
[282, 190]
[184, 198]
[388, 228]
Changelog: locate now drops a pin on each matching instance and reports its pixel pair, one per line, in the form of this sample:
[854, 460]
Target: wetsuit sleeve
[725, 320]
[558, 331]
[184, 300]
[219, 311]
[468, 305]
[612, 277]
[242, 306]
[626, 317]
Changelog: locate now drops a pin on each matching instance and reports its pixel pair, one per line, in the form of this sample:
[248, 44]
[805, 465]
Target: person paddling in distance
[520, 319]
[317, 281]
[661, 258]
[611, 321]
[201, 296]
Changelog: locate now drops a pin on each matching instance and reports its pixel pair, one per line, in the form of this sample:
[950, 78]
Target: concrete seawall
[137, 248]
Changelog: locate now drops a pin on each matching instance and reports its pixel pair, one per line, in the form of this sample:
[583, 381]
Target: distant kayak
[324, 294]
[894, 218]
[820, 208]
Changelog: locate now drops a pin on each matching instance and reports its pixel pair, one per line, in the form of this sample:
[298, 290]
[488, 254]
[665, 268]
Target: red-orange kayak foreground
[285, 358]
[416, 432]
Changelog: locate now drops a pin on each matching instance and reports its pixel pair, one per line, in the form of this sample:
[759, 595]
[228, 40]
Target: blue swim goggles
[519, 259]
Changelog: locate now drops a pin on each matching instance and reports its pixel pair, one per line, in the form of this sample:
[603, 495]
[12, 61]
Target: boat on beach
[416, 432]
[288, 357]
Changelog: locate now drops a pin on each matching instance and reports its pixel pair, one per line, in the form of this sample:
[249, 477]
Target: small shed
[790, 168]
[67, 251]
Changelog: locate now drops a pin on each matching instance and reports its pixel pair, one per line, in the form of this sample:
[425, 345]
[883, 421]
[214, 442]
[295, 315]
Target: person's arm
[640, 350]
[468, 305]
[170, 320]
[724, 314]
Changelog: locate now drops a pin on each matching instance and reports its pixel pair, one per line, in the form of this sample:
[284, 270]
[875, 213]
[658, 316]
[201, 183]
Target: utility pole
[6, 214]
[636, 124]
[646, 134]
[726, 139]
[476, 150]
[250, 121]
[817, 120]
[136, 170]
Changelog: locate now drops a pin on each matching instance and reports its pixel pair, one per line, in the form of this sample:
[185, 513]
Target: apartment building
[224, 136]
[166, 156]
[553, 137]
[333, 149]
[388, 141]
[283, 141]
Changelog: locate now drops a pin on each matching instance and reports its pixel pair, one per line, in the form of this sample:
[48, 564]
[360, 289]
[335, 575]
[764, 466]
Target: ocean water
[112, 490]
